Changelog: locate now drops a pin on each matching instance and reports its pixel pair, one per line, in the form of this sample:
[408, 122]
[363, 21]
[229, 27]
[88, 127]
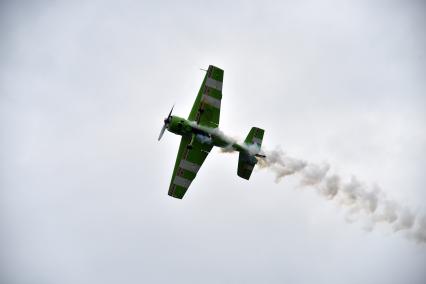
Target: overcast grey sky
[85, 85]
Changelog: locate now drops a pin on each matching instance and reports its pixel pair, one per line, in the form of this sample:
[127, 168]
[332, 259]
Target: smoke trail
[352, 194]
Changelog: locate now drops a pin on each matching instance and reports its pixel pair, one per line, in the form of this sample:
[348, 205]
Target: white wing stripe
[211, 101]
[189, 166]
[212, 83]
[180, 181]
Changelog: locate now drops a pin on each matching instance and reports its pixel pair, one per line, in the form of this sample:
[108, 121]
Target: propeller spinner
[166, 123]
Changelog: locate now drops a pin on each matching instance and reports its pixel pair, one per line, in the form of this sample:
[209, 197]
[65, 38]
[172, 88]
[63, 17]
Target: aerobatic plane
[200, 133]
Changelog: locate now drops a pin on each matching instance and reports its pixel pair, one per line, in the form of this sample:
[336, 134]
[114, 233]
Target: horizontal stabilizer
[247, 160]
[255, 136]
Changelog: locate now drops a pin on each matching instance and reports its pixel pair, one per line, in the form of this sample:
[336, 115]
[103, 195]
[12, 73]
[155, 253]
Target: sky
[85, 85]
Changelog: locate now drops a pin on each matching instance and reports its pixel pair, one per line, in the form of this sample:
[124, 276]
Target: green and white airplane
[200, 133]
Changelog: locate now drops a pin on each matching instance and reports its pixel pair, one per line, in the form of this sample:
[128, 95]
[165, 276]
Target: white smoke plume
[358, 198]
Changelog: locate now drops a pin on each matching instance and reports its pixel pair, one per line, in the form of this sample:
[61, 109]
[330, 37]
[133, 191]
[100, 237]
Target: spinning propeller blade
[166, 123]
[162, 131]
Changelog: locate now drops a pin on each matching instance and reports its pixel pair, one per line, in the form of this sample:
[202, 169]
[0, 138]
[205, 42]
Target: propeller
[166, 123]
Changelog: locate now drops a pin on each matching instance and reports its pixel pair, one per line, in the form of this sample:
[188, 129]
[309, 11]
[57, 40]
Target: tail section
[247, 160]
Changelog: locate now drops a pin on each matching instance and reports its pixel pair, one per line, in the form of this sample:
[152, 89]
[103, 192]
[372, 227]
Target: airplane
[200, 133]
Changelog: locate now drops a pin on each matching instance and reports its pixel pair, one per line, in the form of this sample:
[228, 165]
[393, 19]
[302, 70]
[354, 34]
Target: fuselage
[211, 136]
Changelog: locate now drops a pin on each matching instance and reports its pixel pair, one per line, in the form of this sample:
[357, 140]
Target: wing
[206, 108]
[188, 162]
